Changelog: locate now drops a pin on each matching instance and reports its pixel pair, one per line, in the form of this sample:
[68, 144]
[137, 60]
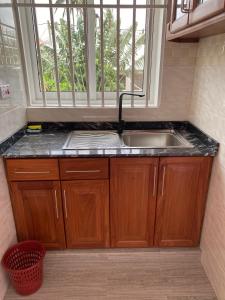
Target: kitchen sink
[129, 139]
[154, 139]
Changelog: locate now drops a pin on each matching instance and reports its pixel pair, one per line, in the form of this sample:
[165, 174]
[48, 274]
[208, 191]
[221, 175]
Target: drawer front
[32, 169]
[82, 168]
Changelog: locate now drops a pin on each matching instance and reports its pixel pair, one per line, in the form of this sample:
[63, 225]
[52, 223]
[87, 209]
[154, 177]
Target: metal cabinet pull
[32, 172]
[65, 204]
[154, 182]
[56, 205]
[83, 171]
[163, 181]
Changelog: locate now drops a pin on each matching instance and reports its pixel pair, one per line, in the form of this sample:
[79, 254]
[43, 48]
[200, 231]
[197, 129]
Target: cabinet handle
[163, 181]
[65, 204]
[154, 184]
[184, 9]
[83, 171]
[32, 172]
[56, 205]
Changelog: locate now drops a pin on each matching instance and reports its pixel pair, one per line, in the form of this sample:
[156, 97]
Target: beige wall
[12, 118]
[7, 227]
[11, 121]
[207, 111]
[177, 83]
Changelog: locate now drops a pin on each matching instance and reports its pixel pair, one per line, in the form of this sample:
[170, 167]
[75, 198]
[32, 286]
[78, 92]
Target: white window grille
[83, 53]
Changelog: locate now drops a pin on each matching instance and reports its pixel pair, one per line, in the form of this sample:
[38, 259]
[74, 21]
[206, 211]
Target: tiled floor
[123, 274]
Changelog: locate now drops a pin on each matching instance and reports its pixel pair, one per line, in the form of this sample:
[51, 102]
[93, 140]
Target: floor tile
[122, 274]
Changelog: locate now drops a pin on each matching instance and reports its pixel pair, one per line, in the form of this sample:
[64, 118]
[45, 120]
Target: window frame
[26, 22]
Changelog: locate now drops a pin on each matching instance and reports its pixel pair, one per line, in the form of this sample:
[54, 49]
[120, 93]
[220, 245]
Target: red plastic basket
[24, 264]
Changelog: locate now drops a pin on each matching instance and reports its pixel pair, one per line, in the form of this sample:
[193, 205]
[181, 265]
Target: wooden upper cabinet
[179, 15]
[182, 189]
[193, 19]
[133, 187]
[86, 213]
[205, 9]
[38, 214]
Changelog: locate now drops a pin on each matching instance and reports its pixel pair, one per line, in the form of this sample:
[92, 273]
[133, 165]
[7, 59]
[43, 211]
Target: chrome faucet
[120, 121]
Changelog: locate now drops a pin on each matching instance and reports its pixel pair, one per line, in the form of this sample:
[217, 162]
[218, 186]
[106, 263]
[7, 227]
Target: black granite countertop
[49, 143]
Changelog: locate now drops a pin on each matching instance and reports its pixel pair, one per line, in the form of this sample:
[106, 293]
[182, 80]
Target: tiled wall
[177, 83]
[208, 112]
[12, 118]
[12, 110]
[7, 227]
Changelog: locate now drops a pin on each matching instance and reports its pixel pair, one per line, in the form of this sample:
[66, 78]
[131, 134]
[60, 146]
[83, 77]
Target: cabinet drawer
[82, 168]
[32, 169]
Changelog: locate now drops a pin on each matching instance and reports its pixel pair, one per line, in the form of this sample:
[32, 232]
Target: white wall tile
[207, 111]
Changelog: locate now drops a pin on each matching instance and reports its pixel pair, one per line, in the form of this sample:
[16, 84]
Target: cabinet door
[133, 186]
[38, 214]
[86, 211]
[205, 9]
[179, 15]
[181, 200]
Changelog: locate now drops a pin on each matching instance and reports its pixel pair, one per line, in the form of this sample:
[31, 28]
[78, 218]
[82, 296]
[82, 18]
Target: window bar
[150, 48]
[55, 53]
[118, 54]
[133, 52]
[39, 62]
[102, 54]
[70, 53]
[20, 42]
[86, 50]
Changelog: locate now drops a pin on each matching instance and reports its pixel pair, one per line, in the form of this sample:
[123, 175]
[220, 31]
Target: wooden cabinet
[153, 201]
[133, 188]
[84, 168]
[193, 19]
[179, 15]
[37, 209]
[32, 169]
[86, 212]
[183, 184]
[205, 9]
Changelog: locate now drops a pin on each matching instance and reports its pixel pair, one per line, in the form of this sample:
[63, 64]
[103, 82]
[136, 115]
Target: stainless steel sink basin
[92, 140]
[129, 139]
[154, 139]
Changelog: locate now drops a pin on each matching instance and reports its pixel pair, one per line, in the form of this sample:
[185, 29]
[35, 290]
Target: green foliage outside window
[78, 50]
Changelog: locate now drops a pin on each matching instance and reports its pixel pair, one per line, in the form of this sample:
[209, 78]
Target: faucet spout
[121, 122]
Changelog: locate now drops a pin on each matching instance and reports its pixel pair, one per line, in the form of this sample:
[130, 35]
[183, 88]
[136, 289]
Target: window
[85, 52]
